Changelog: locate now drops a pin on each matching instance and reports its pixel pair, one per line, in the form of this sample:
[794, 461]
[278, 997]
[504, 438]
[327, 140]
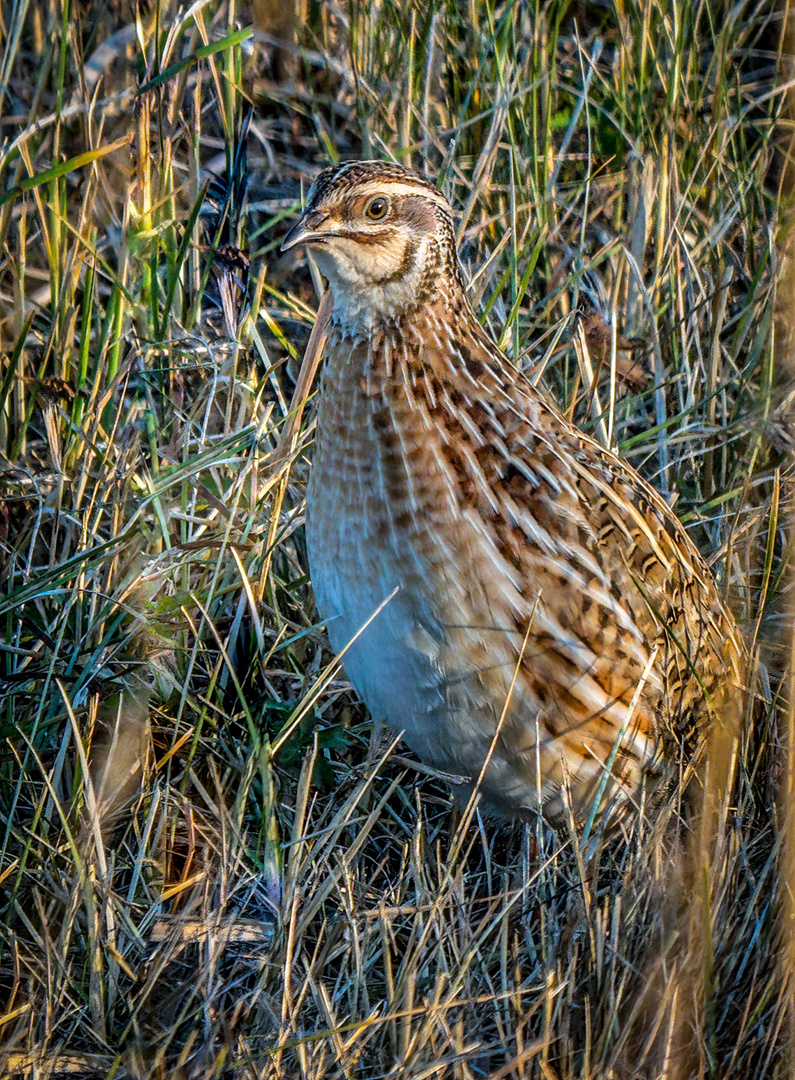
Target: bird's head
[384, 238]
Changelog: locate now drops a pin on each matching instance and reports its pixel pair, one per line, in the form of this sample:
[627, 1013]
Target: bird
[504, 590]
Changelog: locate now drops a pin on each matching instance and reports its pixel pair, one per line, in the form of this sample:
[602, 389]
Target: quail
[511, 595]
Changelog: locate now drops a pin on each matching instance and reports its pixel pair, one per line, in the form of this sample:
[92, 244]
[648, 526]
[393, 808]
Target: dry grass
[208, 866]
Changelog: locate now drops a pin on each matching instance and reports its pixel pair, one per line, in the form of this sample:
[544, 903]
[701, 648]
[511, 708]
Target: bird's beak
[307, 230]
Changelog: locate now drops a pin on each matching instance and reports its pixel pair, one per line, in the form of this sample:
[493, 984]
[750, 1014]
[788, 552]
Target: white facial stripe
[399, 187]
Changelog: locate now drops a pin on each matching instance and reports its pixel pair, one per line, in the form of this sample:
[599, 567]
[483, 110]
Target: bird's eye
[377, 208]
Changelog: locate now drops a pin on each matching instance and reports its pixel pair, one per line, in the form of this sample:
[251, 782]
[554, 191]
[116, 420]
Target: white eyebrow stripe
[397, 187]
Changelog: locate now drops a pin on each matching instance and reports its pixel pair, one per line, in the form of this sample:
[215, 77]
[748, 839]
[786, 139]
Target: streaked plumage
[536, 576]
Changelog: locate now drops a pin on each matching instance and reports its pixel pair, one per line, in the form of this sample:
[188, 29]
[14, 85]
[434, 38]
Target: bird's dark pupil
[377, 208]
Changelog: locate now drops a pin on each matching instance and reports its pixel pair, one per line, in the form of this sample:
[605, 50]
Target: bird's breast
[381, 507]
[387, 534]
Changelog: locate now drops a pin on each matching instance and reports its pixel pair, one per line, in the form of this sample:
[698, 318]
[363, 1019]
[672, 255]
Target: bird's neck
[368, 301]
[378, 309]
[437, 348]
[397, 310]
